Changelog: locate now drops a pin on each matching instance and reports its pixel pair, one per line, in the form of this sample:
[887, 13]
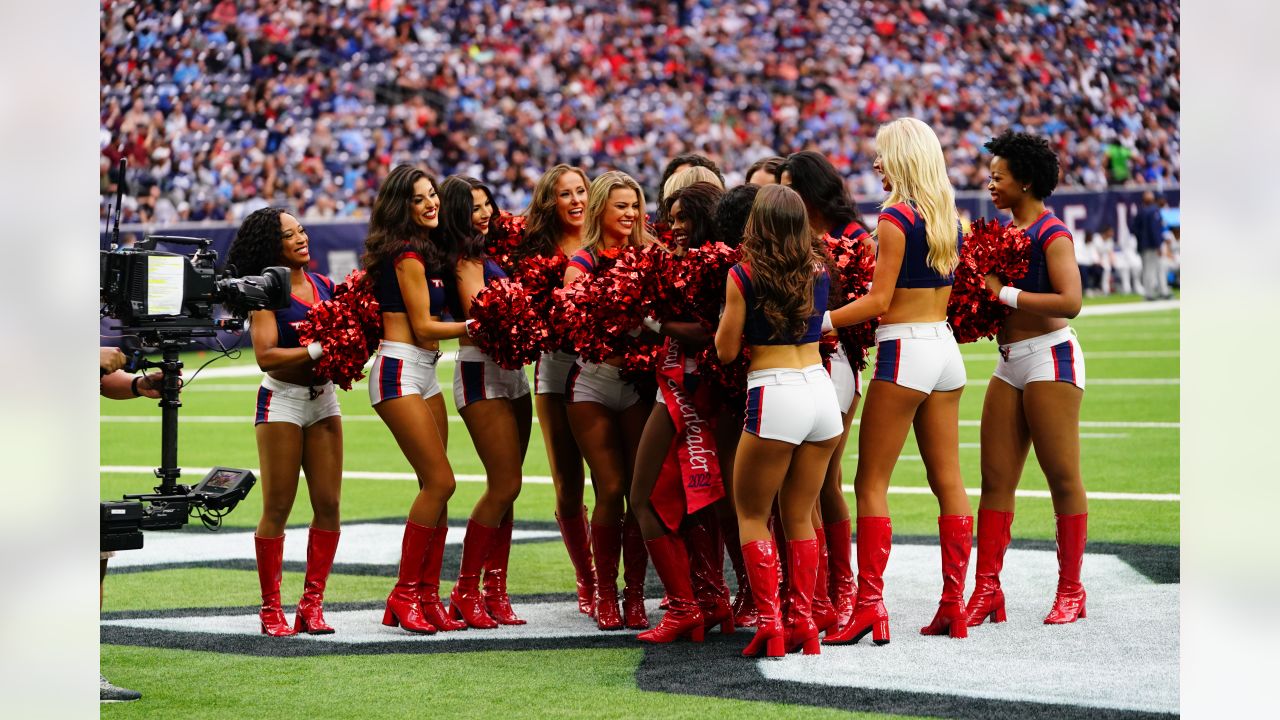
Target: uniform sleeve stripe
[410, 255]
[892, 215]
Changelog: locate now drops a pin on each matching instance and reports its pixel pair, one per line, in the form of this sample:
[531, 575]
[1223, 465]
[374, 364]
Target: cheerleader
[606, 414]
[918, 378]
[298, 424]
[697, 597]
[554, 228]
[1034, 397]
[764, 171]
[408, 270]
[493, 402]
[775, 303]
[831, 212]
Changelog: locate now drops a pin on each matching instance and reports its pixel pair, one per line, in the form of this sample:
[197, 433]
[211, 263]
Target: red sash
[690, 476]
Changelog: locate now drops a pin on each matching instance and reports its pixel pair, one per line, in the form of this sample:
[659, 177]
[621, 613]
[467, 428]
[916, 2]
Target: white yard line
[199, 472]
[1129, 308]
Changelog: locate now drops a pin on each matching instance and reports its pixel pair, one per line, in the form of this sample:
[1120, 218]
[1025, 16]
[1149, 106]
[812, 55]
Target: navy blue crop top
[491, 272]
[388, 292]
[915, 271]
[853, 230]
[757, 330]
[1043, 231]
[286, 334]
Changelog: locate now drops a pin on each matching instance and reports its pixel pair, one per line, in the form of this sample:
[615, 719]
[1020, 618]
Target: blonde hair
[912, 160]
[689, 176]
[597, 197]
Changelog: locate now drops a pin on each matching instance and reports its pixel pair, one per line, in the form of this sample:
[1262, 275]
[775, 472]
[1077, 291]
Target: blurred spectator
[216, 102]
[1090, 262]
[1147, 227]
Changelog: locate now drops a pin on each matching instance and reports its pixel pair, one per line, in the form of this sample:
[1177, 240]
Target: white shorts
[793, 406]
[401, 369]
[298, 404]
[550, 371]
[919, 356]
[1053, 357]
[848, 381]
[599, 383]
[477, 378]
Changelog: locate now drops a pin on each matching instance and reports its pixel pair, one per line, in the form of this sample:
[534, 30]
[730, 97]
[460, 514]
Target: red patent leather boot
[840, 568]
[955, 535]
[429, 585]
[577, 541]
[403, 606]
[466, 603]
[744, 608]
[607, 542]
[496, 600]
[761, 559]
[706, 555]
[875, 540]
[635, 563]
[270, 552]
[801, 632]
[987, 600]
[824, 613]
[1069, 602]
[322, 545]
[683, 617]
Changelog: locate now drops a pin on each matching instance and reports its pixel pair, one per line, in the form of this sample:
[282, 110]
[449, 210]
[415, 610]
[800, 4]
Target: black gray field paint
[1119, 662]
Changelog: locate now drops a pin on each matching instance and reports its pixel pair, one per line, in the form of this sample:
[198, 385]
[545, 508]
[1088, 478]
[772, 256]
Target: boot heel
[959, 629]
[812, 646]
[775, 648]
[389, 618]
[726, 627]
[998, 615]
[1082, 613]
[698, 634]
[880, 632]
[300, 625]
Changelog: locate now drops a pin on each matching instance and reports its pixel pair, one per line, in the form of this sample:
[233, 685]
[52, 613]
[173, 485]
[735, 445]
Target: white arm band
[315, 350]
[653, 325]
[1009, 296]
[826, 323]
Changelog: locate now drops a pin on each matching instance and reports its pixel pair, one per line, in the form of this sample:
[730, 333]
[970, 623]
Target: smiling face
[621, 213]
[481, 210]
[295, 251]
[1005, 190]
[425, 204]
[680, 224]
[571, 200]
[878, 166]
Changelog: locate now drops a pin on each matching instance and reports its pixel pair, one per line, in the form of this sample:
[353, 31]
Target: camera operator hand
[120, 385]
[110, 360]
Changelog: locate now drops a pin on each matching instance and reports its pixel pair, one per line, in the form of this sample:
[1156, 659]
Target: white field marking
[213, 419]
[1132, 624]
[980, 382]
[197, 472]
[1094, 355]
[1129, 308]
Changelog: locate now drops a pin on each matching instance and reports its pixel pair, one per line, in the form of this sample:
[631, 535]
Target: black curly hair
[697, 201]
[1030, 159]
[732, 213]
[257, 243]
[823, 190]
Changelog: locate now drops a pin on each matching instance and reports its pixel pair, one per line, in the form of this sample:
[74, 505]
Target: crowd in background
[224, 107]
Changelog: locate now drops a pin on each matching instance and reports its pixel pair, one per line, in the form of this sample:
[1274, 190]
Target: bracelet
[1009, 296]
[133, 386]
[315, 350]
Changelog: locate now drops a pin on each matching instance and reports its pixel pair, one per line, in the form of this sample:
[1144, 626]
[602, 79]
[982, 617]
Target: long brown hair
[542, 228]
[780, 245]
[392, 225]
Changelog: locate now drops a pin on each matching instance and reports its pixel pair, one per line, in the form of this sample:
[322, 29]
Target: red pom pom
[988, 249]
[506, 235]
[348, 327]
[854, 264]
[596, 314]
[513, 317]
[729, 382]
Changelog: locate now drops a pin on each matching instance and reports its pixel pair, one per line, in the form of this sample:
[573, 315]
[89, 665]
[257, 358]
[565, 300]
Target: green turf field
[1130, 445]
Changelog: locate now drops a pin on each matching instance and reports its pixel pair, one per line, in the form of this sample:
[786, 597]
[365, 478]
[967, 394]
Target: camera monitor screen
[165, 274]
[221, 480]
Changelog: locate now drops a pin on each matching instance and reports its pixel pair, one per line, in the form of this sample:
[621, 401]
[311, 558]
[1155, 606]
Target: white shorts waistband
[303, 392]
[604, 370]
[925, 331]
[408, 353]
[471, 353]
[1022, 348]
[785, 376]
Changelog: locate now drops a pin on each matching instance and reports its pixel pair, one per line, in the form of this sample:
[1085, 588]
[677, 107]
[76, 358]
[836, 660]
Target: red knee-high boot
[987, 600]
[607, 542]
[761, 559]
[429, 586]
[840, 568]
[707, 566]
[801, 632]
[577, 541]
[496, 600]
[403, 606]
[270, 552]
[1069, 602]
[465, 602]
[875, 540]
[744, 608]
[683, 618]
[322, 545]
[955, 535]
[824, 613]
[635, 563]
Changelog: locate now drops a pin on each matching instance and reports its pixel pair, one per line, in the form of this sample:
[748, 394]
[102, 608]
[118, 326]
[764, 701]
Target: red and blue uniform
[280, 401]
[916, 271]
[387, 289]
[287, 336]
[1042, 232]
[756, 328]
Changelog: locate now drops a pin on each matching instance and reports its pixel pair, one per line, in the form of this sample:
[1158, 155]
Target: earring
[1024, 188]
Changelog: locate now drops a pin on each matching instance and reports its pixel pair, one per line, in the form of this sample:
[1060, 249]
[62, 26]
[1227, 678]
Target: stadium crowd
[224, 107]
